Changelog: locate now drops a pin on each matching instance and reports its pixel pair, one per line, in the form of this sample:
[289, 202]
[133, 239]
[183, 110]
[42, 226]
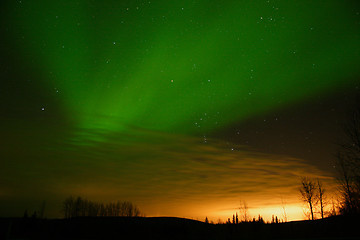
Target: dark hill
[104, 228]
[173, 228]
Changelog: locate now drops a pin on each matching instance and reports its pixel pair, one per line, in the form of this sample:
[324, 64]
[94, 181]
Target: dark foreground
[174, 228]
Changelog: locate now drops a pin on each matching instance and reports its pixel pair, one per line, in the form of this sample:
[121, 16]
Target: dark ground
[174, 228]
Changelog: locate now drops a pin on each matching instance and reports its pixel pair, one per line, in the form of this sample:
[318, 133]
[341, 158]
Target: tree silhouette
[348, 166]
[68, 204]
[244, 211]
[283, 206]
[42, 209]
[321, 192]
[308, 193]
[333, 210]
[26, 215]
[260, 219]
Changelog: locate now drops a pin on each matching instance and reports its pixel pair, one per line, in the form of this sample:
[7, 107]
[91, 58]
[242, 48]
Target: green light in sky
[185, 66]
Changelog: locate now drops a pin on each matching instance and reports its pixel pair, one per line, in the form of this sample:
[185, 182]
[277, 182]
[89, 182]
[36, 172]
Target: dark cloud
[169, 170]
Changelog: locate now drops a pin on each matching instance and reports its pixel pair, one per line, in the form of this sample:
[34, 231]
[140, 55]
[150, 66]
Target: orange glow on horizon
[294, 212]
[293, 209]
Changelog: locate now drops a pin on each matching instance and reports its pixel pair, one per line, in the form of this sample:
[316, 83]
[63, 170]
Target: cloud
[152, 169]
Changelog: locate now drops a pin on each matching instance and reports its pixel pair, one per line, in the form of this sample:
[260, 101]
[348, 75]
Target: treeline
[236, 220]
[79, 207]
[242, 217]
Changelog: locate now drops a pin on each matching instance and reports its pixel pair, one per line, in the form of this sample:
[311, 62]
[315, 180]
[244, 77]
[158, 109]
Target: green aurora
[182, 107]
[185, 66]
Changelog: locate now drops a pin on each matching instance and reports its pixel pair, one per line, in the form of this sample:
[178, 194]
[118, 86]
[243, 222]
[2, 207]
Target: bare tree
[348, 166]
[78, 207]
[68, 205]
[348, 190]
[308, 193]
[333, 210]
[42, 209]
[320, 195]
[283, 206]
[244, 211]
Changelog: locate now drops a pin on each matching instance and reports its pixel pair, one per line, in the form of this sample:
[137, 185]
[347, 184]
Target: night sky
[184, 108]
